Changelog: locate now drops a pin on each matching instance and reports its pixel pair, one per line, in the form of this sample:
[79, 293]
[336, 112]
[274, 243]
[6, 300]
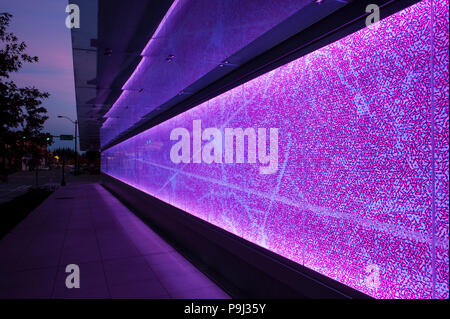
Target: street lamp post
[63, 182]
[76, 148]
[76, 131]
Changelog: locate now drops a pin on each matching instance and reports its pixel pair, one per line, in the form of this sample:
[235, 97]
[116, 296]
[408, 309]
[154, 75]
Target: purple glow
[154, 36]
[220, 28]
[354, 185]
[158, 30]
[117, 106]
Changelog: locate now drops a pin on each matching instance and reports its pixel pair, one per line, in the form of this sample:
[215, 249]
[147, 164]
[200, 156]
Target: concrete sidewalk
[20, 182]
[118, 255]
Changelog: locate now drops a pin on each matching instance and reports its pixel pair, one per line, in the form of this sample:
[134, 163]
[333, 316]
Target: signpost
[65, 137]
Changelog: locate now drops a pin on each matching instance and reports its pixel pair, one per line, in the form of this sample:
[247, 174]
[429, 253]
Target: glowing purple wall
[362, 123]
[220, 28]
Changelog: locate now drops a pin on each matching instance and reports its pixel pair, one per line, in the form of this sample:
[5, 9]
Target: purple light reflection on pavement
[352, 194]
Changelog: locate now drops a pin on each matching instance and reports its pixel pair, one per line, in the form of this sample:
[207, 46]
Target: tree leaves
[22, 115]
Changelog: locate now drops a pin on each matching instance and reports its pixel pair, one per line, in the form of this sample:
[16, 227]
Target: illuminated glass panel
[361, 124]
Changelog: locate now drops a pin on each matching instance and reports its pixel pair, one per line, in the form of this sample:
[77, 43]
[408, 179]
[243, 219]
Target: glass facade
[360, 189]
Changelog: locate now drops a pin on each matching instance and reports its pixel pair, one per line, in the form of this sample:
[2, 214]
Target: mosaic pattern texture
[361, 191]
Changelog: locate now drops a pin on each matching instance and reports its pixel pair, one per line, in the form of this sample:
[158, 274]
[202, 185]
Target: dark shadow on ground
[14, 211]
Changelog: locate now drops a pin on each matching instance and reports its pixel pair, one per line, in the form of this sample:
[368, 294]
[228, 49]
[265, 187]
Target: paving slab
[118, 255]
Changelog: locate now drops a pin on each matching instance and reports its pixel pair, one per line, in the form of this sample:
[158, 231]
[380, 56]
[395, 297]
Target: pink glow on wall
[353, 195]
[172, 60]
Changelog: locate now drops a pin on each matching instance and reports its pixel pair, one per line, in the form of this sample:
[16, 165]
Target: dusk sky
[41, 24]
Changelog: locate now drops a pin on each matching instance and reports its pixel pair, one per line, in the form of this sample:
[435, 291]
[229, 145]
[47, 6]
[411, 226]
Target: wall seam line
[433, 160]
